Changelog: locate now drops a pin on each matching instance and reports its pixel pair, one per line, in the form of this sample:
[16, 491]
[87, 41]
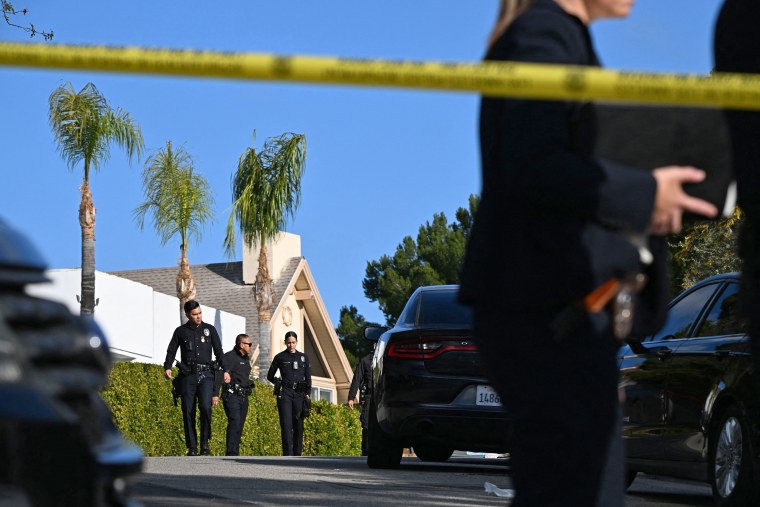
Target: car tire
[730, 467]
[382, 450]
[433, 453]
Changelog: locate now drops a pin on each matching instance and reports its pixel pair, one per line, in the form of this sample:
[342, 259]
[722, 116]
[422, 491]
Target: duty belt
[197, 368]
[297, 386]
[238, 389]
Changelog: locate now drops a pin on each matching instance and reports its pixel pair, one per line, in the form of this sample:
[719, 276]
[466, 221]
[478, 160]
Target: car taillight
[428, 348]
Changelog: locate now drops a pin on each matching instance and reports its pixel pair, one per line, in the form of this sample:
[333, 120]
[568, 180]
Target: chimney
[279, 251]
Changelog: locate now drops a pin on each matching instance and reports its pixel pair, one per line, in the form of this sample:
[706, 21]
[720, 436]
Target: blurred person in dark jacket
[554, 225]
[362, 385]
[736, 49]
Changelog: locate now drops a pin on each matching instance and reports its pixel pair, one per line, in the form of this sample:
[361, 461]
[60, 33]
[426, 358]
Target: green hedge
[142, 405]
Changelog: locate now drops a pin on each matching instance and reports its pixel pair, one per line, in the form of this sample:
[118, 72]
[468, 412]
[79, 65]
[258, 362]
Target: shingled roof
[217, 285]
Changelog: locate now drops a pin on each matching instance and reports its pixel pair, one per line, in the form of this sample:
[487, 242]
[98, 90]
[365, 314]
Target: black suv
[692, 408]
[58, 442]
[430, 392]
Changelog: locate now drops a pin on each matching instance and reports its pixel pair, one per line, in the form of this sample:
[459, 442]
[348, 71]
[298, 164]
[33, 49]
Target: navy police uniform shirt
[239, 367]
[195, 345]
[293, 368]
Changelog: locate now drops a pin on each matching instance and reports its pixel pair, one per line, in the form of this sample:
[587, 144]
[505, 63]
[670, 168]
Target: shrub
[141, 401]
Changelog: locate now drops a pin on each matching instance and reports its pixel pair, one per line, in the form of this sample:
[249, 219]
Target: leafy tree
[9, 11]
[266, 190]
[84, 126]
[704, 249]
[351, 337]
[180, 203]
[434, 259]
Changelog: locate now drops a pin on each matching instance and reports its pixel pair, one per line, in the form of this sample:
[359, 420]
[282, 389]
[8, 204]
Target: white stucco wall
[137, 320]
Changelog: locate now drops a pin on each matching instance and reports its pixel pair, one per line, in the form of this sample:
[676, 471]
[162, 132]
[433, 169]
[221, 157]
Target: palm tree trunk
[87, 223]
[185, 284]
[264, 294]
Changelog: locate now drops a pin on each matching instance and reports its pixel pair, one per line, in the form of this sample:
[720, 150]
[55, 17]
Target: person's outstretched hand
[671, 201]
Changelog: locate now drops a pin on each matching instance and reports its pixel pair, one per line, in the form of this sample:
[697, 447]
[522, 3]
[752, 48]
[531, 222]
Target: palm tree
[180, 202]
[84, 126]
[266, 190]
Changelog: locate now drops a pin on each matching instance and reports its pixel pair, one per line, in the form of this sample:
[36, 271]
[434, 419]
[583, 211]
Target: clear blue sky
[380, 162]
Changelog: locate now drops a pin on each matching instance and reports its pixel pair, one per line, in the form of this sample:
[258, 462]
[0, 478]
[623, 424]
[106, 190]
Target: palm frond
[179, 200]
[84, 126]
[266, 189]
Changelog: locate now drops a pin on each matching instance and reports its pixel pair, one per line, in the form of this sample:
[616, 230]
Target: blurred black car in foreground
[430, 392]
[692, 408]
[58, 442]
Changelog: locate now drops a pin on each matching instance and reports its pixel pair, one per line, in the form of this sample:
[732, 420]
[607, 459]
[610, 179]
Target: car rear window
[441, 307]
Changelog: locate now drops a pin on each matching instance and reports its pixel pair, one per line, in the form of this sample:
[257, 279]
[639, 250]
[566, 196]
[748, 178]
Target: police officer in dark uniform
[292, 390]
[196, 340]
[235, 393]
[362, 384]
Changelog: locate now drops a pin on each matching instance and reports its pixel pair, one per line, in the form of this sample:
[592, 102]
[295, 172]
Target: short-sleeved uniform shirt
[195, 345]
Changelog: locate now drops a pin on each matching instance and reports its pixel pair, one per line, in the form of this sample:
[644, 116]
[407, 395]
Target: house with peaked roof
[297, 307]
[137, 320]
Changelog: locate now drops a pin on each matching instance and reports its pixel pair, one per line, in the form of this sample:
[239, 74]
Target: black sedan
[692, 409]
[430, 392]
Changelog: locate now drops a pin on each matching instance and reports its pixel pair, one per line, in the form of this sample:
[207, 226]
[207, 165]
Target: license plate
[486, 396]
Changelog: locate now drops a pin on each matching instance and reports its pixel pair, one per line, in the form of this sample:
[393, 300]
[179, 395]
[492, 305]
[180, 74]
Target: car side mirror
[373, 333]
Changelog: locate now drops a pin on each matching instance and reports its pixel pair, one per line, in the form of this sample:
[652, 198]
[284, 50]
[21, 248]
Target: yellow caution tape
[503, 79]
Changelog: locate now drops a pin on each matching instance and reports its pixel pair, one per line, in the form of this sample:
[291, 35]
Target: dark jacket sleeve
[273, 368]
[307, 374]
[355, 383]
[171, 350]
[219, 378]
[216, 344]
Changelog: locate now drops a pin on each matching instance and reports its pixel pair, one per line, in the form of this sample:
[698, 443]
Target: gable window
[321, 393]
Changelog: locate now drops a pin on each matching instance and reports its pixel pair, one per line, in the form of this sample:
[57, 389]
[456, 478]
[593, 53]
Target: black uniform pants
[365, 425]
[236, 408]
[196, 388]
[290, 408]
[563, 400]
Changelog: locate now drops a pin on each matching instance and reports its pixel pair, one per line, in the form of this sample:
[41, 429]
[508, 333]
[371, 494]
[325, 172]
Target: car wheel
[382, 450]
[730, 461]
[432, 452]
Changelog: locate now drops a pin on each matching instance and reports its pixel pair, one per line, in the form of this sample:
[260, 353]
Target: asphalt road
[665, 492]
[344, 481]
[315, 481]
